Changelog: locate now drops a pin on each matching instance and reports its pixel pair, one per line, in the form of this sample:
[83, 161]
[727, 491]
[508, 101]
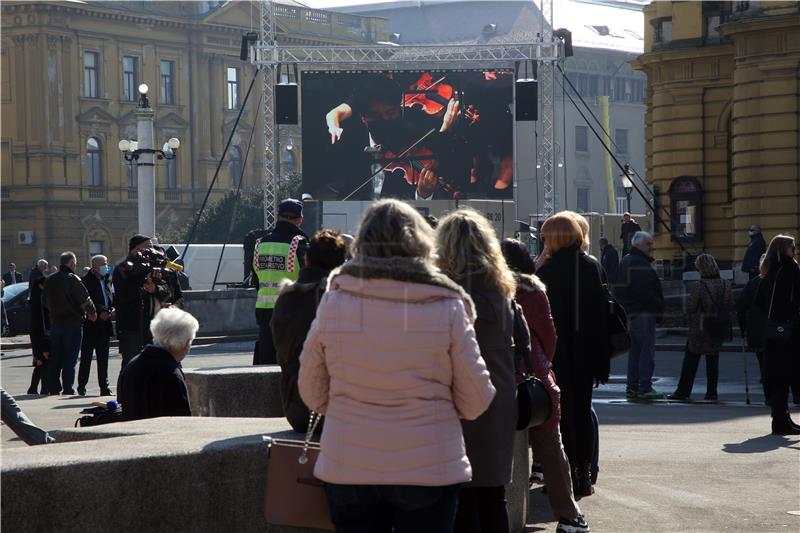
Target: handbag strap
[313, 420]
[772, 298]
[518, 324]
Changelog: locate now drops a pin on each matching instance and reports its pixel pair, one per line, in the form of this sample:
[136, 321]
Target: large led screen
[407, 134]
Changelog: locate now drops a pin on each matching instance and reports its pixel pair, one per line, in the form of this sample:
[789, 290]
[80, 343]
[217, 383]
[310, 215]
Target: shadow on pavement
[639, 413]
[763, 444]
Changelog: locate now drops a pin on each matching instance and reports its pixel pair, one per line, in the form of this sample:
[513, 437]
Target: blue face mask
[104, 270]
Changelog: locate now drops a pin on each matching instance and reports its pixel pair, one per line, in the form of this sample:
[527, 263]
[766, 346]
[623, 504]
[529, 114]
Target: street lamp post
[142, 153]
[627, 184]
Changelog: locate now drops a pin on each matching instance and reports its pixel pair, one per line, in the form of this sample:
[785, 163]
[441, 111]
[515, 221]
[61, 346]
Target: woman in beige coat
[392, 362]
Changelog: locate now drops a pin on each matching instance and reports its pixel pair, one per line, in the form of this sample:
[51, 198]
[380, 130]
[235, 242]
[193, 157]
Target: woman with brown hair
[710, 299]
[779, 298]
[579, 306]
[469, 253]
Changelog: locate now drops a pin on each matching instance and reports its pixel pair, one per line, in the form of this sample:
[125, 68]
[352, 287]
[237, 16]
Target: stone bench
[254, 391]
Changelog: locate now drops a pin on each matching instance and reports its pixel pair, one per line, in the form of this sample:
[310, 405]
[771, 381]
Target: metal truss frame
[270, 56]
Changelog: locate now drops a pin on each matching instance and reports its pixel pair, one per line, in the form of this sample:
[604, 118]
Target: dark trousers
[689, 370]
[65, 346]
[96, 339]
[39, 374]
[392, 508]
[265, 348]
[762, 369]
[577, 425]
[130, 344]
[780, 362]
[482, 510]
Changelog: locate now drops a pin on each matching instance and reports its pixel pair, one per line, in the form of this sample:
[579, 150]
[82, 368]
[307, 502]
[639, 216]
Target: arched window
[94, 162]
[235, 167]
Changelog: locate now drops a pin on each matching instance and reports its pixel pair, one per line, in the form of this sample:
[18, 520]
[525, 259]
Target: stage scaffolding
[546, 51]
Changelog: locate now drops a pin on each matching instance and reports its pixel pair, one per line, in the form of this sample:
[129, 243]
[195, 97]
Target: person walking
[579, 306]
[469, 253]
[609, 258]
[276, 256]
[779, 298]
[755, 249]
[69, 305]
[627, 231]
[40, 336]
[639, 291]
[97, 334]
[545, 440]
[392, 362]
[710, 300]
[294, 312]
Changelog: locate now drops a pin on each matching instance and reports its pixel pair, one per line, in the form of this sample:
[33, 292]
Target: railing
[172, 195]
[95, 193]
[133, 194]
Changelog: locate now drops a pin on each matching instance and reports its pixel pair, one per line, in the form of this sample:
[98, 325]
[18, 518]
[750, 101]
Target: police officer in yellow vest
[276, 256]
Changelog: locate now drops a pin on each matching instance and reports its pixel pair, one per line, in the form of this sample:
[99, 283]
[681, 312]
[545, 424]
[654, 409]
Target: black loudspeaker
[527, 107]
[286, 103]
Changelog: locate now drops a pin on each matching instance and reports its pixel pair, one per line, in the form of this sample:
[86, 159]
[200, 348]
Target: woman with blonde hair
[779, 299]
[709, 300]
[580, 313]
[392, 362]
[469, 253]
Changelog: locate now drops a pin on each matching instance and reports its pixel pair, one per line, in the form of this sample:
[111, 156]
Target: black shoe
[677, 397]
[785, 427]
[33, 391]
[711, 397]
[576, 525]
[68, 392]
[81, 392]
[106, 392]
[582, 482]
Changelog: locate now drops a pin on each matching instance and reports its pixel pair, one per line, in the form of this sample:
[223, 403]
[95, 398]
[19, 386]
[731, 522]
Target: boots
[784, 426]
[582, 481]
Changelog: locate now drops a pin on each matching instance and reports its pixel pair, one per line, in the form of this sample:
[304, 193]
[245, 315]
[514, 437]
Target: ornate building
[723, 122]
[70, 72]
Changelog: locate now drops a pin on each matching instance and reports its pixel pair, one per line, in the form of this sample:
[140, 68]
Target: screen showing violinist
[408, 134]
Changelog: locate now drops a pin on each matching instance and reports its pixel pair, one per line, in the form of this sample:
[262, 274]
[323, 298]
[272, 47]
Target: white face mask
[751, 233]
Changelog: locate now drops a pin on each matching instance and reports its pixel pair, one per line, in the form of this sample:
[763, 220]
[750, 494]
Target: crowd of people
[404, 339]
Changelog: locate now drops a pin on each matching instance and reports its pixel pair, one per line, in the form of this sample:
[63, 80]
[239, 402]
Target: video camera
[151, 261]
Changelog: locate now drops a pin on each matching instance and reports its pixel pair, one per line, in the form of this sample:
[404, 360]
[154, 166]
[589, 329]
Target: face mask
[104, 270]
[751, 233]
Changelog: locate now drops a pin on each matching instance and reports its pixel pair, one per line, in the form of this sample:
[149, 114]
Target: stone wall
[222, 312]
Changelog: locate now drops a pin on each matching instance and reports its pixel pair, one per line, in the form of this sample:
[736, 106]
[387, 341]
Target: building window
[95, 162]
[95, 248]
[663, 31]
[233, 88]
[583, 199]
[581, 139]
[91, 87]
[235, 167]
[129, 75]
[167, 82]
[171, 174]
[621, 141]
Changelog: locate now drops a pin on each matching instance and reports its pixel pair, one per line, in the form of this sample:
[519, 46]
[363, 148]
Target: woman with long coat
[392, 362]
[580, 312]
[706, 297]
[469, 253]
[779, 299]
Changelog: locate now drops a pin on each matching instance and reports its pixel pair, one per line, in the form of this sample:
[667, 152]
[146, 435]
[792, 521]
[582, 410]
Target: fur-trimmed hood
[368, 276]
[529, 283]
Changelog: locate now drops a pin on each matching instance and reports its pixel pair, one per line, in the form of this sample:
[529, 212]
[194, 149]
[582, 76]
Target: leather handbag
[534, 405]
[294, 497]
[778, 330]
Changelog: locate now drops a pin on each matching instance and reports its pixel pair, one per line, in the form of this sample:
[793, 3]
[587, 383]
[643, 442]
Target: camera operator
[139, 292]
[171, 276]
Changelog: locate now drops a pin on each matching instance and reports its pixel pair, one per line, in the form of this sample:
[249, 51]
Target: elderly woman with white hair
[152, 384]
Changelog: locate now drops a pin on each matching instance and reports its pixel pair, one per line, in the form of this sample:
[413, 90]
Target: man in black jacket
[294, 312]
[638, 289]
[609, 258]
[153, 384]
[135, 298]
[755, 248]
[12, 276]
[628, 230]
[69, 303]
[97, 334]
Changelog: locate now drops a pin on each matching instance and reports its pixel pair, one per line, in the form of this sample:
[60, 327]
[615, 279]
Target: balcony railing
[96, 193]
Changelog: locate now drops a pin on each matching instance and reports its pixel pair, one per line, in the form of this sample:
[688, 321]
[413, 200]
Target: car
[17, 308]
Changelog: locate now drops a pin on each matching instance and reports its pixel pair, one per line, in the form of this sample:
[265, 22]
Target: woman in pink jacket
[392, 362]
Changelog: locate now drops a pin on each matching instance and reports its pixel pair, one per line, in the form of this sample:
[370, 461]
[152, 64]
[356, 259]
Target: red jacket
[531, 296]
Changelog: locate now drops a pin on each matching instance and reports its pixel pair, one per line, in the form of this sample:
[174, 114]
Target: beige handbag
[294, 497]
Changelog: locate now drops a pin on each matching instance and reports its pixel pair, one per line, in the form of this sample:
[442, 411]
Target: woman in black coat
[40, 336]
[580, 313]
[469, 253]
[779, 299]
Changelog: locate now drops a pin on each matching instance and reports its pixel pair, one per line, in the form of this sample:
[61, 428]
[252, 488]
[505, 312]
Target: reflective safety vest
[273, 262]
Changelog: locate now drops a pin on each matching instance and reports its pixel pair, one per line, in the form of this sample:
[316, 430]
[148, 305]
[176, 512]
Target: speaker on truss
[286, 103]
[526, 108]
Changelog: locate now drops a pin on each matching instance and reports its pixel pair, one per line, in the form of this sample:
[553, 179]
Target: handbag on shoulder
[534, 405]
[778, 330]
[294, 497]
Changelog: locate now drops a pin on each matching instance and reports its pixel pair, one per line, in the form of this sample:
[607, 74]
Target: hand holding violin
[450, 115]
[426, 183]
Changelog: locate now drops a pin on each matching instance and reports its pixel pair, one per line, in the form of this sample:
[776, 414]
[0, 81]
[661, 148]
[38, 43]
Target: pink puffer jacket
[393, 364]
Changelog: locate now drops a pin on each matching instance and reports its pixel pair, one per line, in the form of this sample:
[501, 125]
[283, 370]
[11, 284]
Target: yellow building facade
[722, 123]
[69, 74]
